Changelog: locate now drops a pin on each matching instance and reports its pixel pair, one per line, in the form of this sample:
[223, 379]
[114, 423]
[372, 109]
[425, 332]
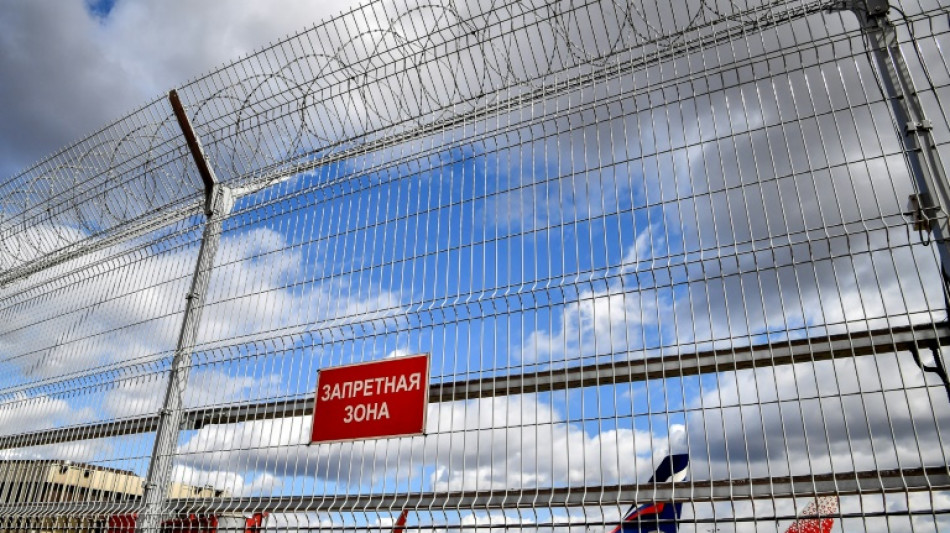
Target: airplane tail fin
[817, 516]
[658, 517]
[400, 525]
[671, 468]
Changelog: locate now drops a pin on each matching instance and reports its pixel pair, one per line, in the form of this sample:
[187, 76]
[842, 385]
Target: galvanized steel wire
[621, 230]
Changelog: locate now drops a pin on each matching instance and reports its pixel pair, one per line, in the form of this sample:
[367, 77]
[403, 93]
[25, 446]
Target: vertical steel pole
[918, 142]
[218, 203]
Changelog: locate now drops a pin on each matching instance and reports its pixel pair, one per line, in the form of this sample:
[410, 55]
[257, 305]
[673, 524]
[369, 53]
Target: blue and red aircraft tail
[658, 517]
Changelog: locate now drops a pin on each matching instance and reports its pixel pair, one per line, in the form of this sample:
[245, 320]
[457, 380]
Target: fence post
[915, 129]
[218, 203]
[930, 208]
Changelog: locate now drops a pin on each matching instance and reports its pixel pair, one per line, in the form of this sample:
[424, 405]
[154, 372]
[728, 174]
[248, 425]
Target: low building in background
[45, 481]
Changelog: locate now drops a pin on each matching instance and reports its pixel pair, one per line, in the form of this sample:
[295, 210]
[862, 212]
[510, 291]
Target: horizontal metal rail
[634, 369]
[842, 483]
[920, 479]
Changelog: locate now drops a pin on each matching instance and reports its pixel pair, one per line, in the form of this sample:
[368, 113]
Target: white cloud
[21, 413]
[398, 352]
[59, 89]
[24, 244]
[597, 323]
[237, 485]
[132, 309]
[643, 246]
[860, 414]
[207, 386]
[483, 444]
[128, 314]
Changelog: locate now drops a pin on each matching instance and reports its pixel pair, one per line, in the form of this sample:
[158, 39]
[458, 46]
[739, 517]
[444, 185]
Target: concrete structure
[44, 481]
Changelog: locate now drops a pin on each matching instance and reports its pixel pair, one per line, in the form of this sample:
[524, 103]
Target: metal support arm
[933, 200]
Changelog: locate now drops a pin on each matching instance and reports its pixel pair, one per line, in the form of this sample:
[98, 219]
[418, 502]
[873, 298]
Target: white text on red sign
[367, 387]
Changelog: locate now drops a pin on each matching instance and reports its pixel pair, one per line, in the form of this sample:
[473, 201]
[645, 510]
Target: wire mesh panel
[659, 256]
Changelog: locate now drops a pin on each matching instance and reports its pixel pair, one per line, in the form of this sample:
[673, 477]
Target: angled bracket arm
[197, 151]
[936, 368]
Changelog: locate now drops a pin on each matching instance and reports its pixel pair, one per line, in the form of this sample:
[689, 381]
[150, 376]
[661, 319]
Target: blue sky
[100, 8]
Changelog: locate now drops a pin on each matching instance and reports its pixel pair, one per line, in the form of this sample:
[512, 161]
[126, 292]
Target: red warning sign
[374, 400]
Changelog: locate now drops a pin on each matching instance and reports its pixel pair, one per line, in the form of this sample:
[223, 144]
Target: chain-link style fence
[706, 230]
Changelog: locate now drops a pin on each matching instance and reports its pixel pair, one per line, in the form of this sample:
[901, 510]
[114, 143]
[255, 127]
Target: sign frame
[425, 399]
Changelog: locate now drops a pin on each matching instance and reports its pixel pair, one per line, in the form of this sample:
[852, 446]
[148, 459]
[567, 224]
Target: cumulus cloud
[497, 443]
[730, 304]
[21, 413]
[209, 386]
[133, 309]
[128, 315]
[867, 413]
[598, 323]
[233, 483]
[69, 71]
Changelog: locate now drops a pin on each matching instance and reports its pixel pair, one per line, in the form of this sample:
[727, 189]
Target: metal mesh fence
[624, 232]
